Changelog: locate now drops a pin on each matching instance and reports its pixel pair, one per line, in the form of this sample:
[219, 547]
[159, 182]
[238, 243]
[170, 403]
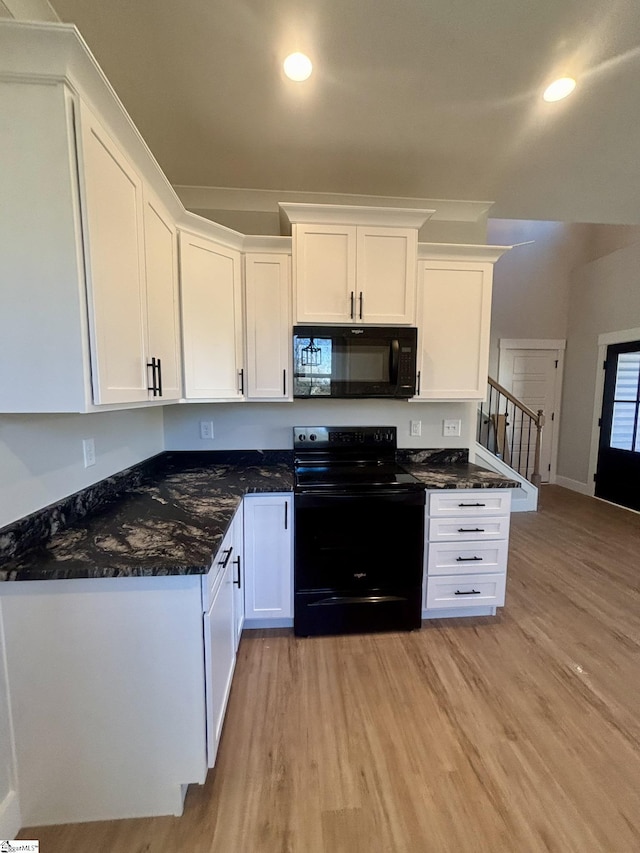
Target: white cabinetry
[454, 319]
[268, 560]
[163, 319]
[466, 551]
[82, 314]
[354, 264]
[219, 640]
[211, 288]
[268, 325]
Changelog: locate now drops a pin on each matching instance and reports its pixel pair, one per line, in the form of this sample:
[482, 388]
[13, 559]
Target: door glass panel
[627, 376]
[622, 426]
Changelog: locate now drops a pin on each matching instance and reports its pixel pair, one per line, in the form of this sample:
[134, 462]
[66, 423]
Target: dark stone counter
[166, 516]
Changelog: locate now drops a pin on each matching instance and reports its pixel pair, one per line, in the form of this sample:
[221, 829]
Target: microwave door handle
[394, 361]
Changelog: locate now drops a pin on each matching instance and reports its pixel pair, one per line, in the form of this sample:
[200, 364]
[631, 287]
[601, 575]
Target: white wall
[531, 283]
[9, 807]
[41, 458]
[267, 426]
[605, 297]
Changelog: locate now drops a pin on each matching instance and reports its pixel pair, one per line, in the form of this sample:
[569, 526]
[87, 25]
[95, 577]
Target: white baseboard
[575, 485]
[10, 818]
[254, 624]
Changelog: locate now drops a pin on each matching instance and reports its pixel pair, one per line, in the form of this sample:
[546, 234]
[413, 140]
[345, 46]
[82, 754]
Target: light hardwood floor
[519, 733]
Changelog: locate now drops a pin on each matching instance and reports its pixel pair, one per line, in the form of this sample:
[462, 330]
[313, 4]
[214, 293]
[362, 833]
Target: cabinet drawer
[463, 502]
[212, 580]
[472, 527]
[454, 558]
[466, 591]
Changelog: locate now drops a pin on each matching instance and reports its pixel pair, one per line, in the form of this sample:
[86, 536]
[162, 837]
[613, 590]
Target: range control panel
[322, 438]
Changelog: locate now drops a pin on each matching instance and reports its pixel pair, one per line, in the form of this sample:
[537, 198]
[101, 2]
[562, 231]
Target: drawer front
[470, 527]
[464, 502]
[453, 558]
[212, 580]
[466, 591]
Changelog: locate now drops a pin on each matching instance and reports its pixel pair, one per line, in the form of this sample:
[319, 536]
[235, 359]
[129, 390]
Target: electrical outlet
[89, 452]
[206, 430]
[415, 428]
[451, 426]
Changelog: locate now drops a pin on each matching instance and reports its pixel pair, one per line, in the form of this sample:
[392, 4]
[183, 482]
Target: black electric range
[359, 533]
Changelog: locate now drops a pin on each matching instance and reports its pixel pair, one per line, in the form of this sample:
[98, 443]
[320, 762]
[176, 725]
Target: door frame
[604, 341]
[559, 346]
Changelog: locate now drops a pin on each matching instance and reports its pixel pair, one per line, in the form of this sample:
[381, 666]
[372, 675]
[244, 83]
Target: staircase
[509, 437]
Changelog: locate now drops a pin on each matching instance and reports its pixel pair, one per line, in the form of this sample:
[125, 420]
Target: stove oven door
[358, 561]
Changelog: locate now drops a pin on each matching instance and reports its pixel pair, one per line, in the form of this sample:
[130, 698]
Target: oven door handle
[356, 599]
[394, 361]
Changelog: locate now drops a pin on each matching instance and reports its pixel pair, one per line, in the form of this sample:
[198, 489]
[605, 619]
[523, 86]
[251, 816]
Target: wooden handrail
[538, 418]
[500, 426]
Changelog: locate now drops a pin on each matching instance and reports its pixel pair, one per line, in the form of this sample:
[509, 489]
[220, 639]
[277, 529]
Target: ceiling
[437, 99]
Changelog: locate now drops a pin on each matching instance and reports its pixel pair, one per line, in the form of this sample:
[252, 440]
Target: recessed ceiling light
[297, 67]
[559, 89]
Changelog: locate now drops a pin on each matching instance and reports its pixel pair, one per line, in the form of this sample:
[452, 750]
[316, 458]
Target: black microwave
[360, 361]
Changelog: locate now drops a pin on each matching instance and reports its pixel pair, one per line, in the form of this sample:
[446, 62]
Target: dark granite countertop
[447, 470]
[167, 518]
[168, 515]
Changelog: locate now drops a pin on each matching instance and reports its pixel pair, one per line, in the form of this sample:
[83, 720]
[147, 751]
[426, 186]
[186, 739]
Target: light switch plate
[206, 430]
[415, 428]
[451, 426]
[89, 452]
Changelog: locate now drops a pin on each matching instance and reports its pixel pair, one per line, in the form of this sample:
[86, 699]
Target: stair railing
[511, 431]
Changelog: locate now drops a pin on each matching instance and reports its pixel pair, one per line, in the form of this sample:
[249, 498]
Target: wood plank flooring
[519, 733]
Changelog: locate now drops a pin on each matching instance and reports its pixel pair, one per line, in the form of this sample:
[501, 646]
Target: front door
[618, 471]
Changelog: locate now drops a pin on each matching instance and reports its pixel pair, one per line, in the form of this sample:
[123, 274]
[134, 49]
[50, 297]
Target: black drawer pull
[471, 530]
[471, 504]
[468, 592]
[225, 560]
[236, 562]
[468, 559]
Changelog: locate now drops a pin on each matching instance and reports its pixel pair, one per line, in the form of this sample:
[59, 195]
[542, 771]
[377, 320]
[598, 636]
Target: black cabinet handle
[238, 582]
[418, 389]
[224, 562]
[353, 305]
[153, 387]
[361, 303]
[284, 383]
[160, 377]
[286, 515]
[468, 592]
[471, 504]
[471, 530]
[241, 372]
[468, 559]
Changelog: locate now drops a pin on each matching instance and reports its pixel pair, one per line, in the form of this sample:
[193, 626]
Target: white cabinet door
[211, 287]
[268, 558]
[268, 326]
[237, 538]
[386, 275]
[325, 273]
[161, 264]
[111, 192]
[454, 318]
[219, 659]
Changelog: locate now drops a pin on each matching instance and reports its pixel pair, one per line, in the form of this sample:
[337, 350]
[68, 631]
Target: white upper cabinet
[354, 264]
[386, 275]
[163, 319]
[454, 319]
[268, 326]
[115, 266]
[211, 289]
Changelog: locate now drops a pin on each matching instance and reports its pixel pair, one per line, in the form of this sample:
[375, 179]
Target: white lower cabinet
[466, 551]
[268, 523]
